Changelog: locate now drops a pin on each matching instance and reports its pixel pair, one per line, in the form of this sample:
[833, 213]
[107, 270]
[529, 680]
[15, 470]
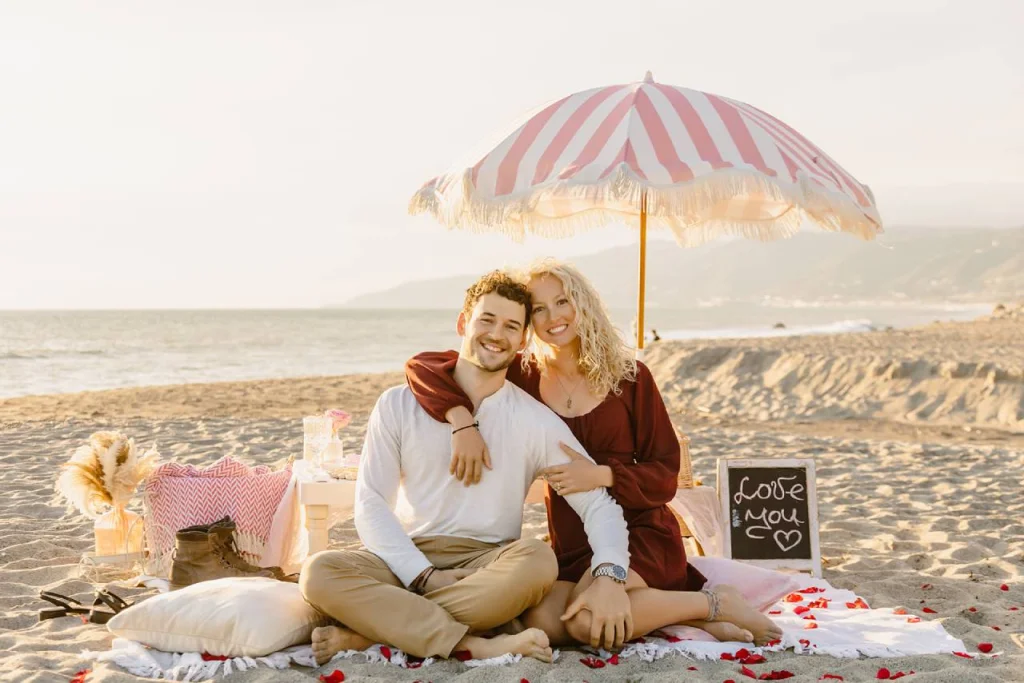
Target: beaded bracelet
[714, 603]
[475, 424]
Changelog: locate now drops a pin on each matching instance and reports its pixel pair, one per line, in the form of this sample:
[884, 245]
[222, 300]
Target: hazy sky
[213, 153]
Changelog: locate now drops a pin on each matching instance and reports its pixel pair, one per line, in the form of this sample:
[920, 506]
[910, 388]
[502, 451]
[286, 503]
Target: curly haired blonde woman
[580, 367]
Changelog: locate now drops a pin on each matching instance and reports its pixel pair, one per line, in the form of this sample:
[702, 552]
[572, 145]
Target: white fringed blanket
[842, 626]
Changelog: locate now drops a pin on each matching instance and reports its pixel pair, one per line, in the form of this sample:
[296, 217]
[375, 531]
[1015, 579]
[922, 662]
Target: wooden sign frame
[725, 464]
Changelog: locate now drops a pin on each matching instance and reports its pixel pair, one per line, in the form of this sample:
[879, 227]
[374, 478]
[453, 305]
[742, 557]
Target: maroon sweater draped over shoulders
[631, 433]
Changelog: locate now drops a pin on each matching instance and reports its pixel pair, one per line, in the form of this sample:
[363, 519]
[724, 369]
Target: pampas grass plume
[104, 473]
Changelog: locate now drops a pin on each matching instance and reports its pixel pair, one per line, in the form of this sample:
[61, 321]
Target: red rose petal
[810, 616]
[80, 676]
[614, 660]
[673, 639]
[1004, 587]
[820, 603]
[335, 677]
[964, 655]
[386, 651]
[883, 674]
[778, 611]
[801, 609]
[925, 586]
[462, 655]
[1013, 609]
[794, 597]
[524, 680]
[811, 624]
[831, 677]
[972, 609]
[914, 620]
[985, 647]
[773, 643]
[754, 659]
[742, 653]
[593, 662]
[776, 675]
[691, 668]
[928, 610]
[207, 657]
[728, 657]
[749, 673]
[812, 590]
[805, 642]
[900, 674]
[899, 610]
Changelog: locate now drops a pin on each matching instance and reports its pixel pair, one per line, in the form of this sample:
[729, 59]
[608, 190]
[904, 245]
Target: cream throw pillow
[235, 617]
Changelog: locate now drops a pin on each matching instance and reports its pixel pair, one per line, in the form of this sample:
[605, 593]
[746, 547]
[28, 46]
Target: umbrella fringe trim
[676, 207]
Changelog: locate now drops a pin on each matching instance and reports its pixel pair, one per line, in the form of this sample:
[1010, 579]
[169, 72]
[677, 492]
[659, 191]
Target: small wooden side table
[318, 497]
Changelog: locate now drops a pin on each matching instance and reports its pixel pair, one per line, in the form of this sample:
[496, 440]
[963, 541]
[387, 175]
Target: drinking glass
[316, 434]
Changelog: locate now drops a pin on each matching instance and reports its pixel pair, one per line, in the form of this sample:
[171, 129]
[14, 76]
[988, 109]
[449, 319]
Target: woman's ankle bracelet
[714, 603]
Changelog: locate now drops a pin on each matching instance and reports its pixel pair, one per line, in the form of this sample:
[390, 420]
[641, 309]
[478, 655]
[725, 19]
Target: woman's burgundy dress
[632, 434]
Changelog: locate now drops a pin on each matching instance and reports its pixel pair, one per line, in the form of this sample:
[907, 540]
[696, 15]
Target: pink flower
[339, 418]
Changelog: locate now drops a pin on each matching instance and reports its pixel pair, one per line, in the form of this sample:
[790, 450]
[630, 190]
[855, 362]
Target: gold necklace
[568, 402]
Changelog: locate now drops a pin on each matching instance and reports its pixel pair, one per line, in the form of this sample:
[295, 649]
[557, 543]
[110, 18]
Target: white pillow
[234, 617]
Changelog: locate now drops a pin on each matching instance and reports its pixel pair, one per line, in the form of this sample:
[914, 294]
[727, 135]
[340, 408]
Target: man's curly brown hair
[502, 283]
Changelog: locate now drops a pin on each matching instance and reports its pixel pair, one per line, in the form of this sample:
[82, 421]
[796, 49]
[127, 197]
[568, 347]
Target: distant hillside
[948, 265]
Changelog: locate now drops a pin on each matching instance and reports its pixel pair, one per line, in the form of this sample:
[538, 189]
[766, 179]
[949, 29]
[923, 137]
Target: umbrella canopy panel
[699, 164]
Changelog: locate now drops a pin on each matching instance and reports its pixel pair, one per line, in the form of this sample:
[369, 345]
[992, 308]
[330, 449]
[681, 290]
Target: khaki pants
[357, 588]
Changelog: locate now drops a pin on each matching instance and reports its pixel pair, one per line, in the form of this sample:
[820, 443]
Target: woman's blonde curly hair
[605, 357]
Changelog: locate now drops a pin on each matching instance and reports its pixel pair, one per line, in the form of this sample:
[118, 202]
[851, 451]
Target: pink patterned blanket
[178, 496]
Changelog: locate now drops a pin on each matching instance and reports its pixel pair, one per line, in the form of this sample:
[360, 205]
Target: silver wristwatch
[612, 571]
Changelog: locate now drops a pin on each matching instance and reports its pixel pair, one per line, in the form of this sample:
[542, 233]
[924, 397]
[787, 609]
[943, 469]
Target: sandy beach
[918, 437]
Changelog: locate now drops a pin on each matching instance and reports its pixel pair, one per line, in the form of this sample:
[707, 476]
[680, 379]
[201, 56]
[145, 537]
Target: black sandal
[67, 606]
[98, 615]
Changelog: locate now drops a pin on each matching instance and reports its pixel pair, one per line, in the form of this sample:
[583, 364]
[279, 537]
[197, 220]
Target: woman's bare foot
[530, 643]
[724, 631]
[330, 640]
[734, 609]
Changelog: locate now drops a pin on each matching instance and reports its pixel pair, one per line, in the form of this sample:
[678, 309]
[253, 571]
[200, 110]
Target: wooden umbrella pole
[643, 279]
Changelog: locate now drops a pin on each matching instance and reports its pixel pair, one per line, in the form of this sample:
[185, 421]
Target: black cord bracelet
[475, 424]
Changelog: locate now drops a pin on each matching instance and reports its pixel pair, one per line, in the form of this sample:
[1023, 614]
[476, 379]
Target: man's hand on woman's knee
[611, 618]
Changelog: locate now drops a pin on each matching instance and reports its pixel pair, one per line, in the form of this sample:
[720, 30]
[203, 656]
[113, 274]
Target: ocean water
[47, 352]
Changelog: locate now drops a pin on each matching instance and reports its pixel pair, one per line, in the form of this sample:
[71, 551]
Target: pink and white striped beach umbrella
[698, 164]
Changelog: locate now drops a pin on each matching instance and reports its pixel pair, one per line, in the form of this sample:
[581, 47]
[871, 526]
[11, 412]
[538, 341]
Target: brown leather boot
[207, 551]
[222, 533]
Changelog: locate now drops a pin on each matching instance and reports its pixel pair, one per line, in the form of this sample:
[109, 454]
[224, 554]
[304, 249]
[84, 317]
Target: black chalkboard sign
[770, 512]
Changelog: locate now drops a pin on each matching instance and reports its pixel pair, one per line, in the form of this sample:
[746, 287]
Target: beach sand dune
[903, 503]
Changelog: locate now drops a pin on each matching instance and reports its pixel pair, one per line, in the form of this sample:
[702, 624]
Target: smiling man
[443, 563]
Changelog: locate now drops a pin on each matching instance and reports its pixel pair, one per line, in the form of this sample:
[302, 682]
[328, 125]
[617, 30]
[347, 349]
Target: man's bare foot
[734, 609]
[530, 643]
[330, 640]
[724, 631]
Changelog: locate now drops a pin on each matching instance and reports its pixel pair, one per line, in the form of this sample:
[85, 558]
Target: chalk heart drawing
[782, 539]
